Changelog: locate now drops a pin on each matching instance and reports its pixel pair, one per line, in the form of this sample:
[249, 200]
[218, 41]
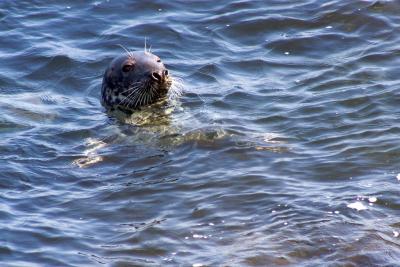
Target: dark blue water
[283, 150]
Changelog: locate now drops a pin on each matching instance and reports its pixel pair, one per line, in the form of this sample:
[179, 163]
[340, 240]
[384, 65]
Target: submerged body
[134, 80]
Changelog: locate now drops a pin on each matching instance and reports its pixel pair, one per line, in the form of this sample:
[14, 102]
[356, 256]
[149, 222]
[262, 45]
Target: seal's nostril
[155, 76]
[166, 72]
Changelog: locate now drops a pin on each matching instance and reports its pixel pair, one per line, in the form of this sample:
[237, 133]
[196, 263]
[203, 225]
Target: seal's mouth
[159, 85]
[146, 91]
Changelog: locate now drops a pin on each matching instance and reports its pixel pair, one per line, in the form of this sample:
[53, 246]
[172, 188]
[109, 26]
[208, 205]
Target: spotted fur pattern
[114, 95]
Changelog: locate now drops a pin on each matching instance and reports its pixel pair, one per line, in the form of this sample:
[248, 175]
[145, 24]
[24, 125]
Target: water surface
[283, 151]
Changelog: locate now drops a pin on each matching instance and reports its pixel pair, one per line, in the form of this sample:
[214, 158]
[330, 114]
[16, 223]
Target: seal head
[134, 80]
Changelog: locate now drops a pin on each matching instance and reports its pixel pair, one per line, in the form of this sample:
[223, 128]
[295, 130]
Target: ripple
[282, 150]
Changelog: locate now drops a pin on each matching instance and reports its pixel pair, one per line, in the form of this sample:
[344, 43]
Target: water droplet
[372, 199]
[287, 53]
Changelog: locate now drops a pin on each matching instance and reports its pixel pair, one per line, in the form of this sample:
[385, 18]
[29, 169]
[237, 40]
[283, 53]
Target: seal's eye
[158, 60]
[127, 67]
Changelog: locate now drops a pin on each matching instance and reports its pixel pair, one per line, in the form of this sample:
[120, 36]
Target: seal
[134, 80]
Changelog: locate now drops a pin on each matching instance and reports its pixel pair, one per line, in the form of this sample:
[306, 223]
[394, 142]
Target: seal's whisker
[178, 84]
[147, 99]
[175, 92]
[178, 81]
[139, 101]
[142, 99]
[138, 97]
[152, 91]
[132, 100]
[127, 98]
[129, 101]
[145, 96]
[173, 95]
[131, 53]
[131, 88]
[128, 52]
[149, 94]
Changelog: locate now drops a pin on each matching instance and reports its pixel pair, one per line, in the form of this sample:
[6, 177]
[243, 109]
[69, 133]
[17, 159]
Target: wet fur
[133, 90]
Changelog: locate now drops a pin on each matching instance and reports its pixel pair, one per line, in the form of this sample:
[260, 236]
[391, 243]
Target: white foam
[199, 236]
[357, 206]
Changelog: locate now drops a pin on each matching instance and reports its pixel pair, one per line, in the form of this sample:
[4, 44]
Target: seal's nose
[156, 76]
